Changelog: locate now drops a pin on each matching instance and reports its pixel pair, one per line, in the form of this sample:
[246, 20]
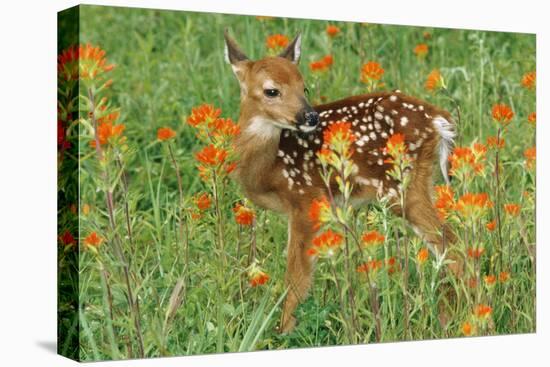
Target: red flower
[322, 65]
[243, 215]
[106, 131]
[165, 133]
[395, 147]
[445, 201]
[339, 133]
[204, 113]
[67, 239]
[530, 155]
[529, 80]
[475, 252]
[473, 206]
[84, 61]
[493, 142]
[332, 30]
[491, 225]
[276, 42]
[467, 328]
[502, 114]
[326, 243]
[223, 127]
[503, 276]
[490, 280]
[532, 118]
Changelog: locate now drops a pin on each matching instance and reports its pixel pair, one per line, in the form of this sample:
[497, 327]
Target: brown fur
[278, 171]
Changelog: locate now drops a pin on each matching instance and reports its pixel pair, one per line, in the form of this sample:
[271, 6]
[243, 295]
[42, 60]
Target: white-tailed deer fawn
[281, 133]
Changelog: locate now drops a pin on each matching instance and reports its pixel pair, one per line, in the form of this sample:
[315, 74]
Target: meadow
[160, 254]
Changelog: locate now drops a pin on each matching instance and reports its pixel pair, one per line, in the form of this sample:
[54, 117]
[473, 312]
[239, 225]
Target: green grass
[168, 62]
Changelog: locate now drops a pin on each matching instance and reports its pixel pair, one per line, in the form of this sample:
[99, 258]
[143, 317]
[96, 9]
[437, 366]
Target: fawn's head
[273, 94]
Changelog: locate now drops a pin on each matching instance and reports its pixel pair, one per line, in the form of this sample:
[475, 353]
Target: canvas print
[233, 183]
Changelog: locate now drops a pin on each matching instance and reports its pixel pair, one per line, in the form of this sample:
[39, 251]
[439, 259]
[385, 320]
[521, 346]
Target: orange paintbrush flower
[67, 239]
[475, 252]
[326, 243]
[82, 61]
[529, 80]
[339, 137]
[466, 161]
[370, 266]
[320, 212]
[512, 209]
[467, 328]
[491, 226]
[434, 81]
[494, 142]
[332, 30]
[165, 133]
[203, 201]
[223, 128]
[276, 42]
[473, 206]
[502, 114]
[372, 238]
[211, 156]
[243, 215]
[371, 71]
[503, 276]
[445, 201]
[204, 113]
[93, 240]
[422, 255]
[532, 118]
[107, 132]
[421, 50]
[395, 148]
[258, 278]
[489, 280]
[483, 311]
[322, 65]
[530, 155]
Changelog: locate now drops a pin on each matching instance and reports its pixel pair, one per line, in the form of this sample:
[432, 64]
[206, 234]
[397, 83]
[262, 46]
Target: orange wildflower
[512, 209]
[434, 81]
[395, 147]
[465, 161]
[493, 142]
[490, 280]
[319, 212]
[502, 114]
[467, 328]
[93, 240]
[372, 238]
[243, 215]
[422, 255]
[473, 206]
[276, 42]
[445, 201]
[223, 127]
[503, 276]
[258, 278]
[491, 225]
[322, 65]
[391, 265]
[371, 71]
[67, 239]
[532, 118]
[106, 131]
[332, 30]
[204, 113]
[370, 266]
[326, 243]
[326, 156]
[165, 133]
[203, 201]
[475, 252]
[530, 155]
[211, 156]
[529, 80]
[483, 311]
[84, 61]
[421, 50]
[339, 137]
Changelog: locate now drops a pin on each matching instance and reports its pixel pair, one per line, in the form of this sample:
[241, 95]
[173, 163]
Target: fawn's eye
[272, 93]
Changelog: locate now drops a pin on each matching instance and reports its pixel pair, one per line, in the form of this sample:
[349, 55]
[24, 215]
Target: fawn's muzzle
[308, 121]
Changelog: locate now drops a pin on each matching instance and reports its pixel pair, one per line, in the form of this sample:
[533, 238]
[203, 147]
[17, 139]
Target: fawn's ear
[293, 51]
[233, 53]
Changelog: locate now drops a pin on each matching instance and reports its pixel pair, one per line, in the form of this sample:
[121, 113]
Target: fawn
[281, 133]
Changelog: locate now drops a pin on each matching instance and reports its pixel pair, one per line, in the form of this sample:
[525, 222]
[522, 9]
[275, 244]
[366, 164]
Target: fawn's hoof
[287, 326]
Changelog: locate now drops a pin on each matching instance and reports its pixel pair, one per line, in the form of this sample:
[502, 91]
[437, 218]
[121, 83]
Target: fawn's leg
[299, 268]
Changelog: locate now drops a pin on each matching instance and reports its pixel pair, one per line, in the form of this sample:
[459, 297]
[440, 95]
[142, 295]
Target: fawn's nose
[311, 118]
